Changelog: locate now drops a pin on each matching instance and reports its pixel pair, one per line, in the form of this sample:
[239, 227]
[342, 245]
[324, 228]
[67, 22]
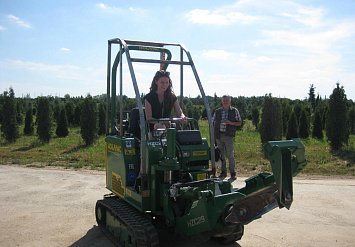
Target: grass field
[72, 152]
[68, 152]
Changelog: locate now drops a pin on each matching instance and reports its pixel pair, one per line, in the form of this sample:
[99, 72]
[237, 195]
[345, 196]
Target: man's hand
[233, 123]
[229, 122]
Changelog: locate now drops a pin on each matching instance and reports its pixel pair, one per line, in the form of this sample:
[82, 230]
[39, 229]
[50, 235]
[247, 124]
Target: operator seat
[188, 137]
[134, 123]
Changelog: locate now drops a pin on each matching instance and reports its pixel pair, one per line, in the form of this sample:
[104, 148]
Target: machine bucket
[253, 206]
[287, 159]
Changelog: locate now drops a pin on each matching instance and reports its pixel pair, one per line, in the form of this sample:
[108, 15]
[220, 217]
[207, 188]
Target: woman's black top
[159, 110]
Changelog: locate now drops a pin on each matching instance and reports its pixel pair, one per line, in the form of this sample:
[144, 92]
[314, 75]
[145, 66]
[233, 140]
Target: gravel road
[55, 207]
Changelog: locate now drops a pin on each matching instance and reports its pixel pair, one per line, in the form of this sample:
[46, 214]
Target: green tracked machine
[168, 186]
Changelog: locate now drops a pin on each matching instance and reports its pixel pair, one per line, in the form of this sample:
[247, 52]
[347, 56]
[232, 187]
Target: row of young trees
[274, 118]
[335, 115]
[46, 114]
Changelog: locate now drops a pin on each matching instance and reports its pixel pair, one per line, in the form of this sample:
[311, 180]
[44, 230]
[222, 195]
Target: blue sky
[243, 48]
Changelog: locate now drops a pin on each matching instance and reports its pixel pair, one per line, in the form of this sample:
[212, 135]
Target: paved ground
[50, 207]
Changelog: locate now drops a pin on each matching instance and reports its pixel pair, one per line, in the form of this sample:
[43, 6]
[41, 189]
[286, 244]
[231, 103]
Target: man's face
[226, 102]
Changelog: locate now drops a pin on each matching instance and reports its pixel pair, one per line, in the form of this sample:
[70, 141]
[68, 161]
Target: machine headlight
[186, 153]
[173, 191]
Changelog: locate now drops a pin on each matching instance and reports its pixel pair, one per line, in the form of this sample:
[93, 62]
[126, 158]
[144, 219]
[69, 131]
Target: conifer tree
[62, 127]
[255, 116]
[297, 108]
[317, 131]
[69, 108]
[29, 128]
[44, 120]
[292, 127]
[56, 113]
[337, 128]
[286, 112]
[77, 114]
[324, 116]
[271, 120]
[9, 126]
[303, 129]
[352, 120]
[102, 120]
[1, 107]
[312, 97]
[19, 111]
[196, 114]
[88, 120]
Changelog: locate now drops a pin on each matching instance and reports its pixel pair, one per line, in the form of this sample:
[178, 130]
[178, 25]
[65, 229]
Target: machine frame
[168, 185]
[125, 47]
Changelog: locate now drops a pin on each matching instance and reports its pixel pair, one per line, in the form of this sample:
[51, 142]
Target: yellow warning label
[128, 192]
[129, 151]
[148, 48]
[201, 176]
[199, 153]
[116, 183]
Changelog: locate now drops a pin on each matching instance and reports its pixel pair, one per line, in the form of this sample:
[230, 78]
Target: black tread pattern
[145, 233]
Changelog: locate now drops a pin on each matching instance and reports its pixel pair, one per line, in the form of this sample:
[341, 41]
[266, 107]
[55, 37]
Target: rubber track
[145, 233]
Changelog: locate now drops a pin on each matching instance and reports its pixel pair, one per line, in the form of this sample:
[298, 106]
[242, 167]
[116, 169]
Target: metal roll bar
[111, 83]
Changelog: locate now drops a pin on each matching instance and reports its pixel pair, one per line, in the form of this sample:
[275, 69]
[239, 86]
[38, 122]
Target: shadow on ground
[95, 237]
[346, 155]
[34, 144]
[75, 149]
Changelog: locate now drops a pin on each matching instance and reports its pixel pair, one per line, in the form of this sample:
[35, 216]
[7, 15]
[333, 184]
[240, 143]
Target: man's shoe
[233, 177]
[223, 175]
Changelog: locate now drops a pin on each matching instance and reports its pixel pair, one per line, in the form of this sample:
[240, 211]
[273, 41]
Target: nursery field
[71, 152]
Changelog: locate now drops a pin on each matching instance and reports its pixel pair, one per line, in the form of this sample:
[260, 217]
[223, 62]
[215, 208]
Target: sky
[242, 48]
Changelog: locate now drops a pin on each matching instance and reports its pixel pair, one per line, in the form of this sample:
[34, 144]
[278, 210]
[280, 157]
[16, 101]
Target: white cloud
[2, 28]
[64, 49]
[311, 17]
[139, 12]
[282, 75]
[39, 67]
[217, 54]
[62, 78]
[265, 59]
[102, 5]
[110, 9]
[18, 21]
[206, 17]
[238, 13]
[290, 15]
[218, 17]
[314, 42]
[116, 10]
[241, 2]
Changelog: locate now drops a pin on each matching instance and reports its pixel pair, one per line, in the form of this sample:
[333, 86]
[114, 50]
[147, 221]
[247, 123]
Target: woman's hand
[184, 118]
[159, 126]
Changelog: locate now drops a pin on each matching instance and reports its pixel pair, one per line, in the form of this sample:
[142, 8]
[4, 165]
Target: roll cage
[125, 46]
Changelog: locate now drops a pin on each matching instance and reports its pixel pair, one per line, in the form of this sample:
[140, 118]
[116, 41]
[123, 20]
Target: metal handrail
[158, 61]
[124, 45]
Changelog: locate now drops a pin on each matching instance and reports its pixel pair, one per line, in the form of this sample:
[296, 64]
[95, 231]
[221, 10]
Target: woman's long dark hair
[168, 94]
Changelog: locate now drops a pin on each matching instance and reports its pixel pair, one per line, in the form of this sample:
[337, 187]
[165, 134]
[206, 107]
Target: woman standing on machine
[161, 100]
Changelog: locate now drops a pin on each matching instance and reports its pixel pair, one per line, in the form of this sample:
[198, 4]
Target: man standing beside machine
[225, 122]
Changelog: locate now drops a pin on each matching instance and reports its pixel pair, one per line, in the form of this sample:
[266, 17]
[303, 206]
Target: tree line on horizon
[274, 118]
